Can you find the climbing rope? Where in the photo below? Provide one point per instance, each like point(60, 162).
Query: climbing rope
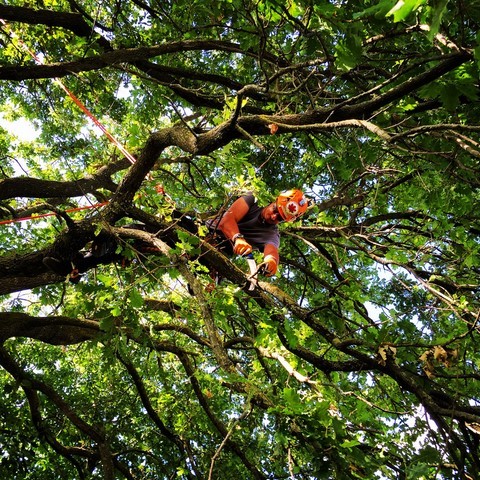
point(88, 113)
point(75, 99)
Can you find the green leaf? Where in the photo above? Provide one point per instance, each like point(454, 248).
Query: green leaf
point(107, 323)
point(136, 299)
point(350, 443)
point(379, 10)
point(403, 8)
point(348, 52)
point(450, 95)
point(293, 402)
point(438, 10)
point(476, 51)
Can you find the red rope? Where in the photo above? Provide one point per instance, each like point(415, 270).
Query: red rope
point(50, 214)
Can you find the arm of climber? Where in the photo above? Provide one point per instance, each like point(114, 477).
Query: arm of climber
point(229, 223)
point(229, 226)
point(271, 259)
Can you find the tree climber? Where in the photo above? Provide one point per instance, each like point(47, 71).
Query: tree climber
point(245, 226)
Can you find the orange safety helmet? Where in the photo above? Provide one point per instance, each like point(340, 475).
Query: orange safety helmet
point(291, 204)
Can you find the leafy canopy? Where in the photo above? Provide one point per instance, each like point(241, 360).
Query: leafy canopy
point(359, 359)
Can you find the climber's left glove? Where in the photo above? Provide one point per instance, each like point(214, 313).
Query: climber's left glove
point(269, 265)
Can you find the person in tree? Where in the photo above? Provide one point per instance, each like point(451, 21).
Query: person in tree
point(246, 226)
point(240, 229)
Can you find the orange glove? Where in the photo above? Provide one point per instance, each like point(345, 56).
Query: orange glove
point(270, 265)
point(241, 246)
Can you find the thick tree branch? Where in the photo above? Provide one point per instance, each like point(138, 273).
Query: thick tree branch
point(56, 330)
point(70, 21)
point(28, 187)
point(114, 58)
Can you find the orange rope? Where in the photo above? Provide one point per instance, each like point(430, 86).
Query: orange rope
point(87, 112)
point(92, 117)
point(75, 99)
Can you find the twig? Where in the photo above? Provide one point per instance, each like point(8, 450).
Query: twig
point(246, 412)
point(290, 464)
point(245, 134)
